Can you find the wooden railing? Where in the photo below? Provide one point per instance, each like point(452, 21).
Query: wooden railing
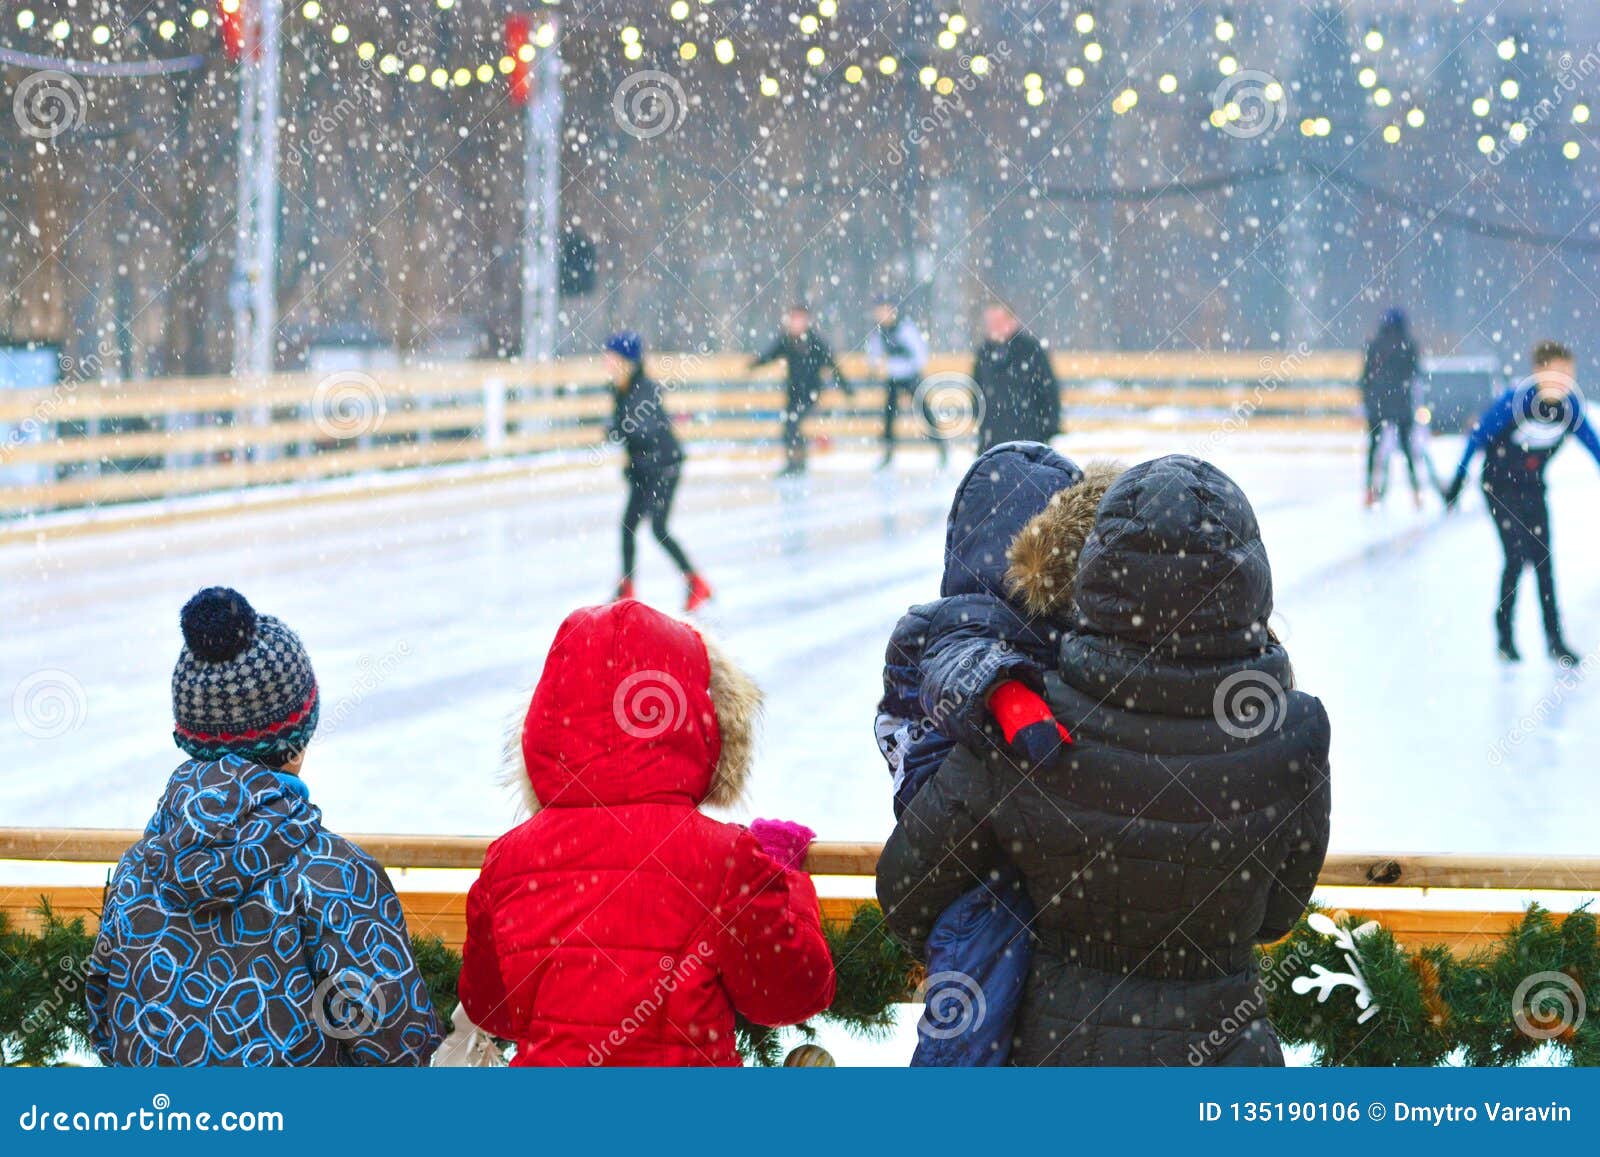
point(443, 913)
point(1346, 869)
point(90, 443)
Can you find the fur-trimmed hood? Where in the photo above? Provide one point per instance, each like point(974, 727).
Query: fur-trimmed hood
point(634, 706)
point(1044, 554)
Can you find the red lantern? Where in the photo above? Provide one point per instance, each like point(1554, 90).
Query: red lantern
point(230, 26)
point(519, 47)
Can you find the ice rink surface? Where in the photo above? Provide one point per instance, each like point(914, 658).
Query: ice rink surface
point(427, 614)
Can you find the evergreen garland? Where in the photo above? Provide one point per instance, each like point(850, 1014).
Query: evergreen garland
point(1537, 986)
point(43, 1015)
point(440, 968)
point(875, 973)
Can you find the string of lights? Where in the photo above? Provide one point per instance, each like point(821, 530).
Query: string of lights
point(956, 38)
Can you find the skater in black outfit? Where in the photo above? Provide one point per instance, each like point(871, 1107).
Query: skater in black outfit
point(897, 350)
point(1388, 375)
point(641, 424)
point(1519, 433)
point(1017, 391)
point(807, 357)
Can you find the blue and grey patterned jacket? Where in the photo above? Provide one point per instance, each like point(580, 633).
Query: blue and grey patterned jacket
point(238, 931)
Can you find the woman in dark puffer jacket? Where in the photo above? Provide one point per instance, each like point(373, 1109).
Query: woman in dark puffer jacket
point(1188, 820)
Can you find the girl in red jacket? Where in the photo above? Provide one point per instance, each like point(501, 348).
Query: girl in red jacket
point(619, 925)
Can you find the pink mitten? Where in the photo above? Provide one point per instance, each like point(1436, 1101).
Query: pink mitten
point(783, 840)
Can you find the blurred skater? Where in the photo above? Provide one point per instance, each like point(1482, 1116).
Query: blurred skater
point(1519, 433)
point(1388, 381)
point(640, 423)
point(806, 357)
point(897, 350)
point(1018, 397)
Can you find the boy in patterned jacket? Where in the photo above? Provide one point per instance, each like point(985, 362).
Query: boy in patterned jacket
point(238, 930)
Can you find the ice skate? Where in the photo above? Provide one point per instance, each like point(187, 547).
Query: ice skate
point(699, 594)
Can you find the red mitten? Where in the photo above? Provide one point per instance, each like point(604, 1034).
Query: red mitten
point(783, 840)
point(1016, 706)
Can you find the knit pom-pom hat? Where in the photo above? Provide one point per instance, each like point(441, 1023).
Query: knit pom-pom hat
point(243, 684)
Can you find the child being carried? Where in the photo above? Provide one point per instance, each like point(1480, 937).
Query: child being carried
point(969, 668)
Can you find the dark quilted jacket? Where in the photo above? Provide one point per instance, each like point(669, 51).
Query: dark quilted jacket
point(641, 423)
point(1186, 823)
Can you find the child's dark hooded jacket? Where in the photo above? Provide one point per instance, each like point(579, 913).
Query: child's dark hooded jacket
point(944, 657)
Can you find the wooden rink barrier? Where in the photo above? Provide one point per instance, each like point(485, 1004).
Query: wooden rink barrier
point(94, 443)
point(443, 913)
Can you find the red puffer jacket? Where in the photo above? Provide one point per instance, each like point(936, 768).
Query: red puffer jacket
point(619, 925)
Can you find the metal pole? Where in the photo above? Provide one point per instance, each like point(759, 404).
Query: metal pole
point(918, 262)
point(255, 282)
point(541, 240)
point(265, 305)
point(239, 296)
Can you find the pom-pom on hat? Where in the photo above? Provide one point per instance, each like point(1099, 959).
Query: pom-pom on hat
point(626, 344)
point(243, 684)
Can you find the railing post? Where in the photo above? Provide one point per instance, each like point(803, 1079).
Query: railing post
point(494, 414)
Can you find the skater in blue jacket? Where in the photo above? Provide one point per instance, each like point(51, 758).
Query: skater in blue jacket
point(1519, 433)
